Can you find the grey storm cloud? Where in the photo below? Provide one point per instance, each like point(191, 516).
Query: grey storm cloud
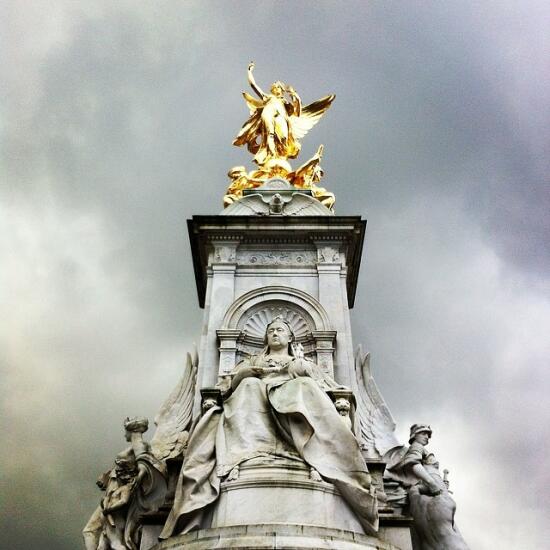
point(117, 127)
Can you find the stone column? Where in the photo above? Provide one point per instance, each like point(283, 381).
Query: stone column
point(220, 294)
point(324, 345)
point(330, 265)
point(228, 350)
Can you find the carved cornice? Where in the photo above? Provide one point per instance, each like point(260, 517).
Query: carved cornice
point(282, 258)
point(347, 231)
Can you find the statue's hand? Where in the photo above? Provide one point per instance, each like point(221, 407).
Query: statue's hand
point(299, 367)
point(251, 66)
point(434, 489)
point(257, 371)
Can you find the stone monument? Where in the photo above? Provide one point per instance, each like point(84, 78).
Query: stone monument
point(276, 435)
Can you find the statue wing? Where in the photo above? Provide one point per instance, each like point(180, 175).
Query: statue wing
point(376, 424)
point(251, 128)
point(310, 116)
point(253, 103)
point(174, 418)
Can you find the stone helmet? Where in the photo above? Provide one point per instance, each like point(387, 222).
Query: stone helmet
point(419, 428)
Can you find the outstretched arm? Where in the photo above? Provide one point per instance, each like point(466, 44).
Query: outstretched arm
point(252, 82)
point(246, 372)
point(138, 445)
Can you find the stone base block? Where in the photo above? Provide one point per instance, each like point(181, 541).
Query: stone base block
point(396, 529)
point(273, 535)
point(279, 491)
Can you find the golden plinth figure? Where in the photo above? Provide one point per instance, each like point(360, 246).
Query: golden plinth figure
point(272, 132)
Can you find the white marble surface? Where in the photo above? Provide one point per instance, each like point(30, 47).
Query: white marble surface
point(282, 493)
point(398, 536)
point(314, 268)
point(273, 535)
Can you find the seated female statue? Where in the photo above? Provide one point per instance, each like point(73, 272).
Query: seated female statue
point(278, 408)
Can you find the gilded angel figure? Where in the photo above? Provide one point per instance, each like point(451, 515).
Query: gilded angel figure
point(277, 122)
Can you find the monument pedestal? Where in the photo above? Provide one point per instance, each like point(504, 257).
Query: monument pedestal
point(279, 491)
point(273, 535)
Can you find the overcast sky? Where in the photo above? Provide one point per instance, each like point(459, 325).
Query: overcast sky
point(117, 121)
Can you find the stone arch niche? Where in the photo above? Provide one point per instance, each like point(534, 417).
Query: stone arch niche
point(243, 327)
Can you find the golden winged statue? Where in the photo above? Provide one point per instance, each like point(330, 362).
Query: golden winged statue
point(272, 133)
point(277, 121)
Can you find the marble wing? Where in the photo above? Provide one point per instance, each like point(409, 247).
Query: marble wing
point(174, 418)
point(376, 424)
point(310, 116)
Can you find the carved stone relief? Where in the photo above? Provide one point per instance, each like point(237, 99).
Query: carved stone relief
point(282, 257)
point(329, 255)
point(224, 254)
point(256, 323)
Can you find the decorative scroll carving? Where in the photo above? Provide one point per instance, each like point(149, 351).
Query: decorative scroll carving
point(328, 255)
point(298, 205)
point(283, 257)
point(224, 253)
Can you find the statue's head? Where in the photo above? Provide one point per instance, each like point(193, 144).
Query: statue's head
point(236, 172)
point(278, 88)
point(103, 480)
point(420, 433)
point(126, 466)
point(278, 335)
point(208, 404)
point(342, 406)
point(318, 173)
point(136, 424)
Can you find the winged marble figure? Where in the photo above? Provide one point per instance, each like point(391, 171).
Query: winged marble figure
point(138, 482)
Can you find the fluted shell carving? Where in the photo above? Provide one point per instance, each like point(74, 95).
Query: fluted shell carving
point(255, 325)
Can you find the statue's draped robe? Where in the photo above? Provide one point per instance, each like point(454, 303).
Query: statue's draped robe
point(147, 497)
point(119, 530)
point(283, 415)
point(270, 116)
